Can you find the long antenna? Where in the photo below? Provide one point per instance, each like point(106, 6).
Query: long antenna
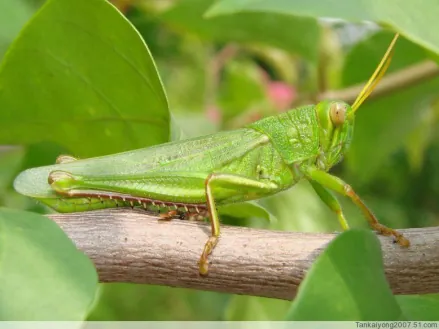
point(376, 76)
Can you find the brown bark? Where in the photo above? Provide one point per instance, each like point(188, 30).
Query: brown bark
point(131, 246)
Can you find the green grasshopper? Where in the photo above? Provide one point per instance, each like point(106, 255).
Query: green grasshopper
point(192, 177)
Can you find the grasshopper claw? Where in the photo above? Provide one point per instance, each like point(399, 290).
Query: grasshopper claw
point(208, 247)
point(204, 267)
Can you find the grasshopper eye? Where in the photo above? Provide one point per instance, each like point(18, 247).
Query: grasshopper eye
point(337, 113)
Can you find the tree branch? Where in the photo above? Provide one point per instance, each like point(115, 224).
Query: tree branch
point(389, 84)
point(131, 246)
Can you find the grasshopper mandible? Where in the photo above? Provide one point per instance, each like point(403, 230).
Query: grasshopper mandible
point(191, 177)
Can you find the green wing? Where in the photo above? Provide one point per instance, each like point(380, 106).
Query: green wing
point(198, 156)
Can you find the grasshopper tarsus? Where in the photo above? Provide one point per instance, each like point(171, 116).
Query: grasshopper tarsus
point(203, 264)
point(398, 238)
point(402, 241)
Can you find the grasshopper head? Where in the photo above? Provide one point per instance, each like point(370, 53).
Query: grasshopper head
point(336, 119)
point(336, 124)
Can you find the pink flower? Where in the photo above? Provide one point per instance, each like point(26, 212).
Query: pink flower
point(281, 94)
point(214, 114)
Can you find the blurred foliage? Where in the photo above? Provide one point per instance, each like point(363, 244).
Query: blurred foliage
point(135, 302)
point(414, 19)
point(99, 108)
point(80, 80)
point(350, 272)
point(12, 18)
point(62, 281)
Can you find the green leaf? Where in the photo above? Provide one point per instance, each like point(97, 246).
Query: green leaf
point(417, 20)
point(347, 282)
point(390, 119)
point(42, 274)
point(249, 308)
point(141, 302)
point(246, 210)
point(297, 35)
point(420, 307)
point(80, 75)
point(13, 15)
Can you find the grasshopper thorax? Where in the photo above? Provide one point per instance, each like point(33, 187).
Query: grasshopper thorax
point(336, 123)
